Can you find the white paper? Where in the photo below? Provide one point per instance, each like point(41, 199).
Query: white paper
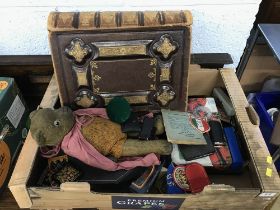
point(16, 111)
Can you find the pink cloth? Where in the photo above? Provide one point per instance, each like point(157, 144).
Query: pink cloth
point(75, 145)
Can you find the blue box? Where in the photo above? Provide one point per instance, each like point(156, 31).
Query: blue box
point(263, 102)
point(237, 160)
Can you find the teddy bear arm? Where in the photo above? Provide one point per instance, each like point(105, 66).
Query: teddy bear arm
point(133, 147)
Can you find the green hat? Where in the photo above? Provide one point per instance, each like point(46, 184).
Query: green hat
point(118, 109)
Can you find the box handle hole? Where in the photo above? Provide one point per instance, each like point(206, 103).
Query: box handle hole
point(253, 116)
point(75, 187)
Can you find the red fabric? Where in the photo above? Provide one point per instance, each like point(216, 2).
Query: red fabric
point(194, 102)
point(221, 162)
point(75, 145)
point(197, 106)
point(197, 177)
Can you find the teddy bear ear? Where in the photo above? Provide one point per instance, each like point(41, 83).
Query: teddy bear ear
point(32, 114)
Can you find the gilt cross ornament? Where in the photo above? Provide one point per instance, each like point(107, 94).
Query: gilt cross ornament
point(165, 95)
point(165, 47)
point(78, 50)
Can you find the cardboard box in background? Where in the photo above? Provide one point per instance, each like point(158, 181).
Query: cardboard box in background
point(13, 127)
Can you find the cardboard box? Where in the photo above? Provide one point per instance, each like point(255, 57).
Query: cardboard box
point(254, 188)
point(13, 127)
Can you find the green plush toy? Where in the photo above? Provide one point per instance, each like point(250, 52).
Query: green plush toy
point(49, 127)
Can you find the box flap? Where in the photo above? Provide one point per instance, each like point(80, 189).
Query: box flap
point(267, 174)
point(24, 164)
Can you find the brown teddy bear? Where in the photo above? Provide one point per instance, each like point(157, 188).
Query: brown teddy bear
point(49, 127)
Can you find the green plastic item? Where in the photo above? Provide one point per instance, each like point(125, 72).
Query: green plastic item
point(118, 109)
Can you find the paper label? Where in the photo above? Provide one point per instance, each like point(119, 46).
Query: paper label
point(123, 202)
point(269, 159)
point(15, 112)
point(268, 172)
point(3, 85)
point(267, 195)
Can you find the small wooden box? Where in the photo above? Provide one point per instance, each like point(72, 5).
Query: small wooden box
point(256, 187)
point(142, 56)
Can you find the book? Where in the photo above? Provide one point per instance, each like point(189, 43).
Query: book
point(190, 152)
point(178, 159)
point(180, 130)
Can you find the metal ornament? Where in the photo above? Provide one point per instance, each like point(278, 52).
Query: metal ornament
point(152, 74)
point(81, 73)
point(165, 71)
point(85, 98)
point(78, 50)
point(138, 99)
point(122, 48)
point(95, 77)
point(165, 95)
point(165, 47)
